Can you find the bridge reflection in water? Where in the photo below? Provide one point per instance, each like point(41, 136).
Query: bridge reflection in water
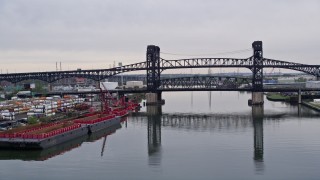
point(154, 134)
point(155, 120)
point(257, 120)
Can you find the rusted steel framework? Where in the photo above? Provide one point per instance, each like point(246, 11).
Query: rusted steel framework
point(257, 68)
point(153, 68)
point(95, 74)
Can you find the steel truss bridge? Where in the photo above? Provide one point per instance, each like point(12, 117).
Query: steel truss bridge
point(155, 65)
point(199, 83)
point(194, 83)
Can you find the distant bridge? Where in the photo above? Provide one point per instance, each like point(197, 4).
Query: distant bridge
point(199, 83)
point(155, 65)
point(100, 74)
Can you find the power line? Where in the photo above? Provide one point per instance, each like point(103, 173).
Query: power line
point(212, 54)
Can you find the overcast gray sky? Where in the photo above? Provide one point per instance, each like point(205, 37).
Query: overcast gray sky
point(35, 34)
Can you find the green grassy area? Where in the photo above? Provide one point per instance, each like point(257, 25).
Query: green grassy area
point(277, 97)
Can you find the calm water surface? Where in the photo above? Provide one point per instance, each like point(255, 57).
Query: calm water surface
point(193, 139)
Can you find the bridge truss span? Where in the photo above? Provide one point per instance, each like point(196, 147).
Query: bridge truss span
point(238, 63)
point(309, 69)
point(206, 62)
point(52, 76)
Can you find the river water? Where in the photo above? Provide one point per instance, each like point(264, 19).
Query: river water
point(193, 138)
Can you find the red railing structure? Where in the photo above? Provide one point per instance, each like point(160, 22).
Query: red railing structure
point(27, 134)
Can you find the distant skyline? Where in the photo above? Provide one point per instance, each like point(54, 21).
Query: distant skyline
point(35, 34)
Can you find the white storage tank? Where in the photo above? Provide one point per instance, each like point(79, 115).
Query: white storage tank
point(108, 85)
point(134, 84)
point(316, 100)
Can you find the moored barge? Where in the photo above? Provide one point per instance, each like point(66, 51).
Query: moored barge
point(45, 136)
point(41, 155)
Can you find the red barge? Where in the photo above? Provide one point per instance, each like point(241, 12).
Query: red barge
point(48, 135)
point(44, 154)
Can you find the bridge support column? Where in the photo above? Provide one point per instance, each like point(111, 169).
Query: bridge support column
point(153, 68)
point(299, 96)
point(257, 74)
point(154, 99)
point(257, 98)
point(257, 112)
point(154, 110)
point(153, 76)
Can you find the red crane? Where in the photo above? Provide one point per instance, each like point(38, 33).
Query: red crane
point(108, 100)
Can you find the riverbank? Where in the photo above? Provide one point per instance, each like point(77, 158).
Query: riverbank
point(312, 105)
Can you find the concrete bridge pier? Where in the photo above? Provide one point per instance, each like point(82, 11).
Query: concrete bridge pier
point(154, 99)
point(154, 110)
point(299, 110)
point(257, 98)
point(257, 112)
point(299, 96)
